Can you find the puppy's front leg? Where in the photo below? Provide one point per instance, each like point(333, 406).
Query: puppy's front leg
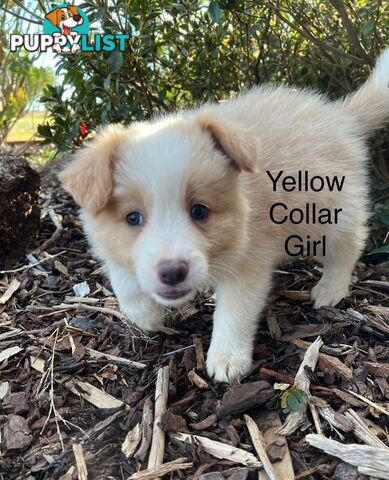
point(238, 306)
point(139, 307)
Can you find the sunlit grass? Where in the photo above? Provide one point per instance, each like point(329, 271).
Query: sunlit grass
point(26, 128)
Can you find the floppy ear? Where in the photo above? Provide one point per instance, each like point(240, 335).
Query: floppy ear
point(73, 9)
point(53, 17)
point(237, 144)
point(89, 177)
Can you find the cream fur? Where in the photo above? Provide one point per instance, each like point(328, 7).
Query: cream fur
point(218, 155)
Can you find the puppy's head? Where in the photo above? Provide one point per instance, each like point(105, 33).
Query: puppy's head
point(68, 17)
point(164, 201)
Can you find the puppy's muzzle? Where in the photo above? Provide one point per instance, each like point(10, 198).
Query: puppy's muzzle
point(172, 272)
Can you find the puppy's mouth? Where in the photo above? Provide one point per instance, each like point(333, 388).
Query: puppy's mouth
point(174, 294)
point(173, 297)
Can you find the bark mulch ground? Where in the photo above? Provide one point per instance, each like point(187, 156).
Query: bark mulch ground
point(70, 391)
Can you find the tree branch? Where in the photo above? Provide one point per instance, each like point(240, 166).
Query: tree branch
point(339, 6)
point(30, 20)
point(27, 10)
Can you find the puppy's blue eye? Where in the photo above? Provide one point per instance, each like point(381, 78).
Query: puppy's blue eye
point(199, 212)
point(135, 218)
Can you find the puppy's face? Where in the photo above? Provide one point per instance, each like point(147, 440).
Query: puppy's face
point(163, 200)
point(65, 17)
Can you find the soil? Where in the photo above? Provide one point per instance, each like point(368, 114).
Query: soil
point(19, 207)
point(49, 337)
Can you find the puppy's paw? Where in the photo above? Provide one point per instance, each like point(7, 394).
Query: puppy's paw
point(225, 366)
point(147, 317)
point(328, 294)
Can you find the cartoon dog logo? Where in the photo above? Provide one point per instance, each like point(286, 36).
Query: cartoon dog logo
point(65, 19)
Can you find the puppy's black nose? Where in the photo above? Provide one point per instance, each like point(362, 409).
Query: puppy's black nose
point(172, 272)
point(76, 18)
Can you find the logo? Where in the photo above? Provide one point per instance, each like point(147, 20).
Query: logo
point(66, 29)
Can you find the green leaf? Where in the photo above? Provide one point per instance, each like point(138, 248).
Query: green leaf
point(368, 28)
point(107, 82)
point(293, 402)
point(383, 250)
point(115, 61)
point(214, 11)
point(45, 131)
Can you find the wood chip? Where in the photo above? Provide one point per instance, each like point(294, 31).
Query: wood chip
point(69, 475)
point(114, 358)
point(200, 360)
point(197, 380)
point(361, 456)
point(37, 364)
point(80, 461)
point(17, 433)
point(220, 450)
point(206, 423)
point(9, 352)
point(4, 389)
point(147, 431)
point(211, 476)
point(161, 470)
point(337, 420)
point(362, 431)
point(276, 446)
point(260, 448)
point(240, 398)
point(131, 441)
point(333, 365)
point(158, 441)
point(377, 369)
point(7, 295)
point(370, 403)
point(295, 295)
point(10, 334)
point(92, 394)
point(272, 325)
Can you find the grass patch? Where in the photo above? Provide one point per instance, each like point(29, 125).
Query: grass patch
point(25, 128)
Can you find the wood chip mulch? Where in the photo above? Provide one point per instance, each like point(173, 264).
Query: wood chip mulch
point(75, 405)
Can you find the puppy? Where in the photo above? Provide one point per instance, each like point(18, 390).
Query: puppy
point(181, 202)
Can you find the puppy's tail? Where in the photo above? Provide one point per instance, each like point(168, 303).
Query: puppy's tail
point(370, 104)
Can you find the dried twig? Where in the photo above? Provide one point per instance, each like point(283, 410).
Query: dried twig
point(56, 235)
point(362, 431)
point(80, 461)
point(32, 265)
point(220, 450)
point(370, 403)
point(259, 445)
point(302, 381)
point(160, 471)
point(316, 419)
point(147, 431)
point(114, 358)
point(158, 442)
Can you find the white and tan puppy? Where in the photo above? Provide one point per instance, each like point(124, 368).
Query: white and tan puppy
point(204, 197)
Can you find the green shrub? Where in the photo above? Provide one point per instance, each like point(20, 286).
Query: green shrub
point(182, 53)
